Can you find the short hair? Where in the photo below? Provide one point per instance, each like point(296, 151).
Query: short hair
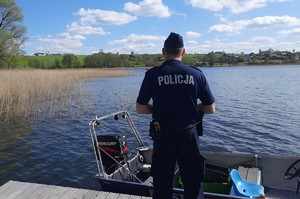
point(174, 51)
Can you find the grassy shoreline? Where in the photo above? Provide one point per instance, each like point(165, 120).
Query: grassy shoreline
point(26, 92)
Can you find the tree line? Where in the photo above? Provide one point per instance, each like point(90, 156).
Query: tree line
point(97, 60)
point(110, 60)
point(13, 36)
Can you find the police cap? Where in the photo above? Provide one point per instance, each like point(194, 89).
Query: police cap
point(173, 41)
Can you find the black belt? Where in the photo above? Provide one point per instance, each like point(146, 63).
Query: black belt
point(174, 126)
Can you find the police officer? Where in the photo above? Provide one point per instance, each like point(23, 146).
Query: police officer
point(176, 89)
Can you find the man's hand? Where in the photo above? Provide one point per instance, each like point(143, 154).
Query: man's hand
point(143, 109)
point(207, 109)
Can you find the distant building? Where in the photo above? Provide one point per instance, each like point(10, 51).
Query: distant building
point(40, 54)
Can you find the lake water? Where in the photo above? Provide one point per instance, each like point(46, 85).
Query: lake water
point(258, 111)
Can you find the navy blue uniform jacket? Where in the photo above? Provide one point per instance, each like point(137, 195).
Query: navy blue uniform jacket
point(175, 89)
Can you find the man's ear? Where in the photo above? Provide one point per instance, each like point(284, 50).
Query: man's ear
point(163, 51)
point(183, 52)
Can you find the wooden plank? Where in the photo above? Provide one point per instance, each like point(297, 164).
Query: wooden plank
point(59, 192)
point(123, 196)
point(135, 197)
point(45, 191)
point(91, 194)
point(68, 192)
point(15, 190)
point(25, 190)
point(28, 190)
point(6, 186)
point(101, 195)
point(112, 195)
point(75, 193)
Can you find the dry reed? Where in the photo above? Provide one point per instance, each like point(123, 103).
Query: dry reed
point(24, 93)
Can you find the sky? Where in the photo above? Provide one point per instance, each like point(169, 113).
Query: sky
point(84, 27)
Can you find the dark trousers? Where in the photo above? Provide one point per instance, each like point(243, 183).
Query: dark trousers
point(181, 146)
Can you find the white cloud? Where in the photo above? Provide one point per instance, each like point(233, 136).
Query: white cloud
point(148, 8)
point(190, 43)
point(134, 38)
point(76, 28)
point(257, 22)
point(234, 6)
point(274, 20)
point(252, 44)
point(212, 5)
point(292, 32)
point(226, 28)
point(72, 40)
point(191, 34)
point(260, 39)
point(61, 43)
point(104, 17)
point(138, 43)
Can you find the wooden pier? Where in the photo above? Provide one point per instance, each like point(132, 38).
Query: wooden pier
point(26, 190)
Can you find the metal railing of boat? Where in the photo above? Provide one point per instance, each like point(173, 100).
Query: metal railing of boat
point(97, 150)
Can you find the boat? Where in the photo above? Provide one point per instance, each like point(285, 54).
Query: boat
point(124, 163)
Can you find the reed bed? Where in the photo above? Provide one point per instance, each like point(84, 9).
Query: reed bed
point(26, 93)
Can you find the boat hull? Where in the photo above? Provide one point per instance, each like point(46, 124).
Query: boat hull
point(131, 174)
point(142, 189)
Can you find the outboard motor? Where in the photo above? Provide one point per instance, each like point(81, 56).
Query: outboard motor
point(116, 146)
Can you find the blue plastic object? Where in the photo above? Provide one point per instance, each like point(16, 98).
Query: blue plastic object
point(244, 188)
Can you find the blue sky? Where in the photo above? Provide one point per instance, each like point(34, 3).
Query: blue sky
point(85, 27)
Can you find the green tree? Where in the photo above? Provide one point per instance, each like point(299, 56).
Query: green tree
point(12, 33)
point(231, 60)
point(34, 63)
point(92, 61)
point(242, 57)
point(70, 61)
point(222, 59)
point(210, 58)
point(57, 63)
